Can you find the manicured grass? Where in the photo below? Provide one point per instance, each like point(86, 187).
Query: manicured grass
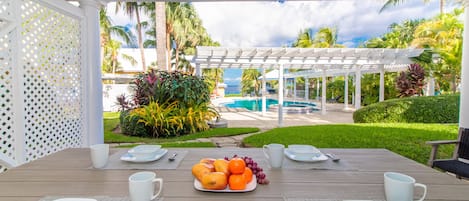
point(405, 139)
point(111, 120)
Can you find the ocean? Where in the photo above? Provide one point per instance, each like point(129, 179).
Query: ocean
point(233, 89)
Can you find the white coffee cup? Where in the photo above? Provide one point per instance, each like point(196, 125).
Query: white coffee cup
point(99, 155)
point(400, 187)
point(274, 154)
point(142, 186)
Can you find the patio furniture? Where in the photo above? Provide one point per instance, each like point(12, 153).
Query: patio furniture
point(68, 173)
point(6, 163)
point(457, 165)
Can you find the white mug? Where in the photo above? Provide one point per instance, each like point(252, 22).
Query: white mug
point(400, 187)
point(274, 154)
point(142, 186)
point(99, 155)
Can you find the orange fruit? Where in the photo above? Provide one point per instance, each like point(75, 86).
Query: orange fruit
point(237, 182)
point(247, 174)
point(236, 166)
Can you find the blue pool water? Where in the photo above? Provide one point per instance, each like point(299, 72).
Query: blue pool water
point(256, 104)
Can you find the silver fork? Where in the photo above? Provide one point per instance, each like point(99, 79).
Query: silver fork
point(333, 157)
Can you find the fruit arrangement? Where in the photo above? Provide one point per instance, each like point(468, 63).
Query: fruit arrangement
point(236, 173)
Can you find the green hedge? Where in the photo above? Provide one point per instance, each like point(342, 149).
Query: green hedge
point(428, 109)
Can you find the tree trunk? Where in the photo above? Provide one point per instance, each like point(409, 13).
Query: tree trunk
point(160, 20)
point(140, 40)
point(168, 47)
point(442, 5)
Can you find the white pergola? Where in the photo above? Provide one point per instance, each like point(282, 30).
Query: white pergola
point(314, 62)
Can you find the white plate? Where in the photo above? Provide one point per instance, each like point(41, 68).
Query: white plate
point(300, 149)
point(249, 187)
point(75, 199)
point(145, 149)
point(129, 158)
point(305, 158)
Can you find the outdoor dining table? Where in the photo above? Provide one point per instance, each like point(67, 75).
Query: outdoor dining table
point(69, 173)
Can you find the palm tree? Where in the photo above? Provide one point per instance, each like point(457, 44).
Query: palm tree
point(326, 38)
point(444, 35)
point(131, 9)
point(305, 39)
point(250, 81)
point(160, 35)
point(390, 3)
point(110, 47)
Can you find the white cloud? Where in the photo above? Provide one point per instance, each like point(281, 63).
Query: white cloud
point(267, 24)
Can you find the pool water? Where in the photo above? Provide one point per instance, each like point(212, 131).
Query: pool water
point(256, 104)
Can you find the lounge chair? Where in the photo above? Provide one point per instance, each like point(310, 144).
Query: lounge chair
point(459, 164)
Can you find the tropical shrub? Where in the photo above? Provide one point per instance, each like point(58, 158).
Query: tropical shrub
point(166, 104)
point(410, 82)
point(428, 109)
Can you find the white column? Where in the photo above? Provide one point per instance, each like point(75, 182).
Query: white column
point(294, 88)
point(317, 89)
point(18, 88)
point(93, 89)
point(198, 71)
point(264, 92)
point(346, 91)
point(464, 107)
point(431, 86)
point(306, 88)
point(323, 96)
point(358, 93)
point(280, 95)
point(381, 83)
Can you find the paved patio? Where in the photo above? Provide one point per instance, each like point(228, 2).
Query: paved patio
point(246, 118)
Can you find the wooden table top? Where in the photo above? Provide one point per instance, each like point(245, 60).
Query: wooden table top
point(68, 173)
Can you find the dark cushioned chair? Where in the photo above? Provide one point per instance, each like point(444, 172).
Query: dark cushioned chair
point(455, 165)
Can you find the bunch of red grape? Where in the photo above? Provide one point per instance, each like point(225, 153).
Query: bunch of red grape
point(256, 170)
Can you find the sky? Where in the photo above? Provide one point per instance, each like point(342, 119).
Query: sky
point(274, 24)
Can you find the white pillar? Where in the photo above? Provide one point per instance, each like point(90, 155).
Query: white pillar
point(431, 86)
point(306, 88)
point(198, 71)
point(93, 89)
point(358, 94)
point(317, 89)
point(381, 83)
point(346, 91)
point(294, 88)
point(264, 92)
point(464, 107)
point(280, 95)
point(323, 96)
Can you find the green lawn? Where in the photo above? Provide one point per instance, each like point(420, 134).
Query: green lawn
point(111, 120)
point(405, 139)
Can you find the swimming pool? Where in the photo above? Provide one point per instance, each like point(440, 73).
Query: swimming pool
point(256, 104)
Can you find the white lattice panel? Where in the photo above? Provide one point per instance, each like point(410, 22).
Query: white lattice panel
point(6, 8)
point(7, 140)
point(51, 59)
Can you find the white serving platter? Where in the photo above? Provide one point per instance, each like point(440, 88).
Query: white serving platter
point(130, 158)
point(249, 187)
